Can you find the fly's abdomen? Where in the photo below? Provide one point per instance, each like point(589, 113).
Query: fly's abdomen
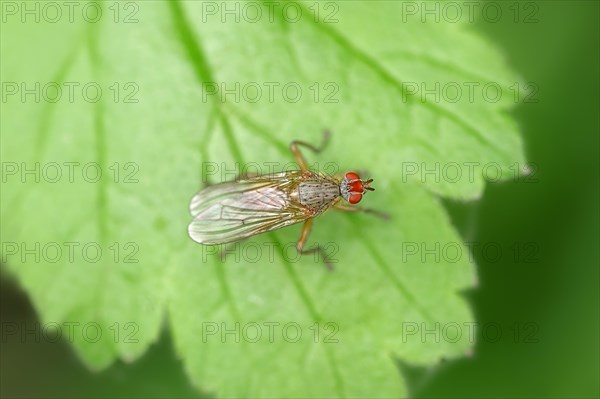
point(318, 194)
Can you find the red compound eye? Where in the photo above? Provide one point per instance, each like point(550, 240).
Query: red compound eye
point(356, 187)
point(355, 198)
point(352, 176)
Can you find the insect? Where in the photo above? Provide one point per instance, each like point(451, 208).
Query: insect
point(250, 205)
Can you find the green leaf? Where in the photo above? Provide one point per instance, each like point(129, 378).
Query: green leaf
point(236, 323)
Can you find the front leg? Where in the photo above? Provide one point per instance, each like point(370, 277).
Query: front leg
point(341, 206)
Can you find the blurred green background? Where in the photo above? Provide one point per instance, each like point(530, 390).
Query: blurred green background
point(546, 303)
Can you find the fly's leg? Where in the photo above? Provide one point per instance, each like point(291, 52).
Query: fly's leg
point(353, 208)
point(306, 227)
point(294, 147)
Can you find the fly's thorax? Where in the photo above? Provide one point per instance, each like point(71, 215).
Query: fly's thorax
point(353, 187)
point(318, 193)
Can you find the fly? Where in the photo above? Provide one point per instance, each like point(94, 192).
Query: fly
point(231, 211)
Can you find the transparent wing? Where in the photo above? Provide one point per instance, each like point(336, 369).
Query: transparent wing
point(232, 211)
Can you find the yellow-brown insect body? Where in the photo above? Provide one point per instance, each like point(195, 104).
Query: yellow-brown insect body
point(231, 211)
point(318, 192)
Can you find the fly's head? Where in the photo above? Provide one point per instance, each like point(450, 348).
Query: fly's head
point(353, 187)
